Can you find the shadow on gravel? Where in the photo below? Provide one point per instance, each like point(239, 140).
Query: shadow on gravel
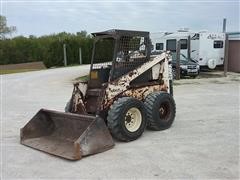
point(212, 76)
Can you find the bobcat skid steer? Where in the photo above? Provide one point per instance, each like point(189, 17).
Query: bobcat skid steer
point(128, 90)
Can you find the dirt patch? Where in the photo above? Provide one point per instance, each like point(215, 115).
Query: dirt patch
point(215, 77)
point(210, 75)
point(32, 65)
point(176, 83)
point(23, 67)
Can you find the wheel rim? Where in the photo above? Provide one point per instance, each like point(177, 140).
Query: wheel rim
point(164, 111)
point(133, 119)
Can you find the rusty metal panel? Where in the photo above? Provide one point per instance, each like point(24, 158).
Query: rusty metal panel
point(122, 84)
point(139, 93)
point(67, 135)
point(77, 101)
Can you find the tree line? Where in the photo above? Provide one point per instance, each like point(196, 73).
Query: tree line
point(48, 49)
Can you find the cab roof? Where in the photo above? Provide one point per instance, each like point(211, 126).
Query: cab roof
point(120, 32)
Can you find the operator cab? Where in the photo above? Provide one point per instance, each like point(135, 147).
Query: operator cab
point(115, 53)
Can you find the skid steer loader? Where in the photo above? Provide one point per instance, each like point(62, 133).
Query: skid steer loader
point(128, 90)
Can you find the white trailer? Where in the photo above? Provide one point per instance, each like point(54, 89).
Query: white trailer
point(206, 48)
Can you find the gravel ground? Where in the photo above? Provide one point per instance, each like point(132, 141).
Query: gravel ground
point(203, 142)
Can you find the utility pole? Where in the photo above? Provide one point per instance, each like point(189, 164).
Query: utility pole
point(224, 25)
point(80, 56)
point(178, 60)
point(189, 47)
point(226, 48)
point(226, 56)
point(64, 55)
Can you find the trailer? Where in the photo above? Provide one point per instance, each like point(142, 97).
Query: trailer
point(206, 48)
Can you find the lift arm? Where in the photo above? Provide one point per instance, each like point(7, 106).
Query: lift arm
point(122, 84)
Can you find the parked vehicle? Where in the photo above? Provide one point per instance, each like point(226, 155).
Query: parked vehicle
point(188, 67)
point(207, 48)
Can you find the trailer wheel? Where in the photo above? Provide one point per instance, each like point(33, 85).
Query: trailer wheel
point(161, 110)
point(126, 119)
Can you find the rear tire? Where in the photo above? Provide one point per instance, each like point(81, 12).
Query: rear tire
point(126, 119)
point(161, 110)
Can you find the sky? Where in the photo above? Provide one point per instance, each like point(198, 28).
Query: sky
point(43, 17)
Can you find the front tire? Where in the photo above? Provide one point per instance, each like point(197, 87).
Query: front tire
point(126, 119)
point(161, 110)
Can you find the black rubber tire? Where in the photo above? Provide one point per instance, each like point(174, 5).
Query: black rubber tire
point(116, 119)
point(153, 103)
point(174, 73)
point(68, 106)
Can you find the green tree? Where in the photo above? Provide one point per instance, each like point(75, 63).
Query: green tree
point(4, 29)
point(82, 33)
point(48, 48)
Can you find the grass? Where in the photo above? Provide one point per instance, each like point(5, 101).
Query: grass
point(82, 78)
point(11, 71)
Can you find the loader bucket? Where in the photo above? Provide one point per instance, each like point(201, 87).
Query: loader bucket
point(67, 135)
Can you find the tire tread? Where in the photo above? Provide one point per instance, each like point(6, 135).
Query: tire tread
point(113, 118)
point(149, 105)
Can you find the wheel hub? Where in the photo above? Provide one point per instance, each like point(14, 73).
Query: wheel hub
point(133, 119)
point(128, 118)
point(164, 111)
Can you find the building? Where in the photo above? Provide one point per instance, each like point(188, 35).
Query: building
point(234, 52)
